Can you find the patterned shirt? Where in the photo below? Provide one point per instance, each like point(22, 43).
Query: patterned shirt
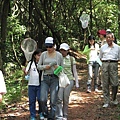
point(67, 66)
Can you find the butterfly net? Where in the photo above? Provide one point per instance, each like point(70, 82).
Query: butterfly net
point(84, 20)
point(28, 46)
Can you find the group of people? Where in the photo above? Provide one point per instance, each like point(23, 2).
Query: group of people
point(44, 84)
point(103, 58)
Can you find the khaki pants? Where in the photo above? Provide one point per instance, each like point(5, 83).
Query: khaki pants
point(109, 77)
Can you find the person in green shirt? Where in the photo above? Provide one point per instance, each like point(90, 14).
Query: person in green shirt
point(69, 68)
point(91, 51)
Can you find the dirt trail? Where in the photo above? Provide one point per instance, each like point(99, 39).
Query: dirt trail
point(88, 106)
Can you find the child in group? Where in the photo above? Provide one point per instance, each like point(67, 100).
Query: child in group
point(93, 61)
point(34, 83)
point(2, 86)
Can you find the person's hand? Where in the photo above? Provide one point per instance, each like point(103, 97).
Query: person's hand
point(23, 69)
point(47, 67)
point(0, 97)
point(92, 48)
point(77, 85)
point(53, 63)
point(55, 66)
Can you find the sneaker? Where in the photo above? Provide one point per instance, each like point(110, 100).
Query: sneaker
point(88, 90)
point(64, 119)
point(115, 102)
point(41, 116)
point(32, 118)
point(105, 105)
point(98, 91)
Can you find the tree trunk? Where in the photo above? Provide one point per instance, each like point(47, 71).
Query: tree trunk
point(4, 15)
point(119, 19)
point(91, 16)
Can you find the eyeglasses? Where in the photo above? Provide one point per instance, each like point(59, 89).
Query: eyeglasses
point(49, 46)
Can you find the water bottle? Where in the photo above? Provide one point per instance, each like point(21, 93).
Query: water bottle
point(27, 77)
point(58, 70)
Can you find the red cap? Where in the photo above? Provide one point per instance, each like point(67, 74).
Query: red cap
point(102, 32)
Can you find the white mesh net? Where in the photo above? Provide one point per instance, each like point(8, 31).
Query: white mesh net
point(84, 20)
point(28, 46)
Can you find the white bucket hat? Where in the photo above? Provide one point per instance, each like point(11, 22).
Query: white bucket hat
point(64, 46)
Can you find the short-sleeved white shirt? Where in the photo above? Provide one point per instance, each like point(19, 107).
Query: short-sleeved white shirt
point(110, 53)
point(93, 55)
point(34, 76)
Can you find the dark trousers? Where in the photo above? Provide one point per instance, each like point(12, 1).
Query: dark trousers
point(34, 94)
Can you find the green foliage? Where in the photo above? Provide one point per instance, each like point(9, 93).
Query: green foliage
point(15, 36)
point(15, 84)
point(15, 28)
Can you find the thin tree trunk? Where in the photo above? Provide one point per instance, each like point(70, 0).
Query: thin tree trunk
point(119, 19)
point(4, 15)
point(90, 16)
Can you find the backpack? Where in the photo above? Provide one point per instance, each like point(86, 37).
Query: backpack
point(71, 60)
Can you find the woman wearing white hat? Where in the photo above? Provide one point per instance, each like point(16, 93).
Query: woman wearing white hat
point(48, 62)
point(69, 66)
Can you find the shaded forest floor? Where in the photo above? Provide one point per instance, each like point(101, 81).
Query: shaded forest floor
point(82, 105)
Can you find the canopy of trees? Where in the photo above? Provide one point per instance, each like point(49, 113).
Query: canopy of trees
point(58, 18)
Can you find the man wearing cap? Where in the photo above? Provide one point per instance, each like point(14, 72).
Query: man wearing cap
point(48, 62)
point(110, 55)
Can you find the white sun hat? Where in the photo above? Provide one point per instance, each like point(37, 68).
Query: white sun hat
point(64, 46)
